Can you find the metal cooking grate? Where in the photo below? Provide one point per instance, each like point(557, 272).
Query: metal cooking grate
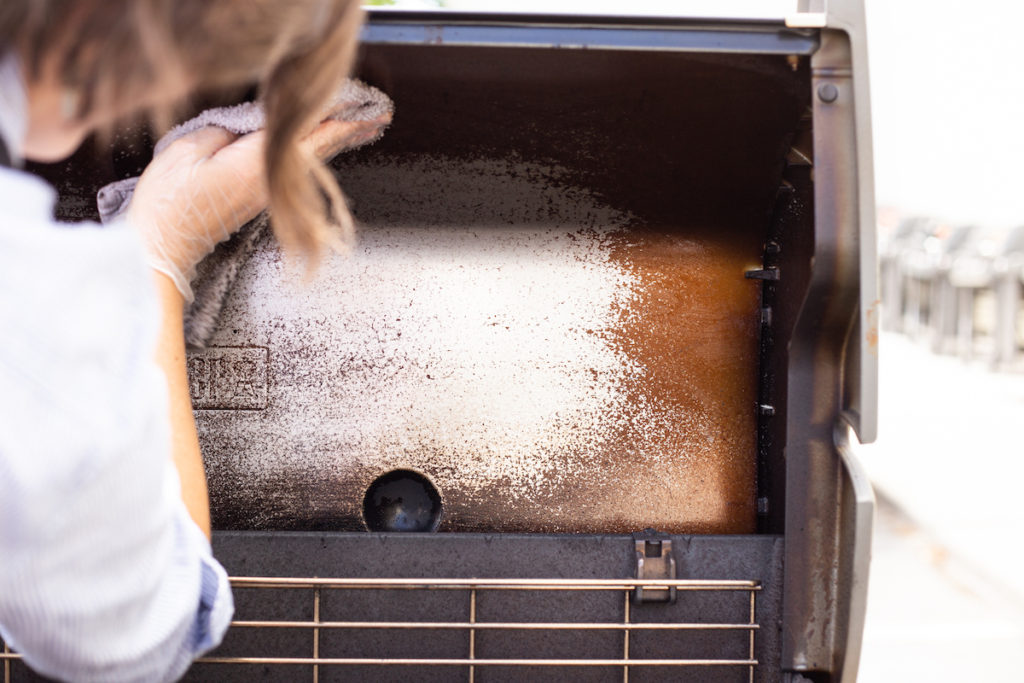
point(740, 632)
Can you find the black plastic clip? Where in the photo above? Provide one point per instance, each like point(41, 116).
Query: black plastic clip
point(762, 274)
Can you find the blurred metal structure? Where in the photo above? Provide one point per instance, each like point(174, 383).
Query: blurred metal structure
point(909, 234)
point(987, 279)
point(1009, 285)
point(930, 309)
point(958, 289)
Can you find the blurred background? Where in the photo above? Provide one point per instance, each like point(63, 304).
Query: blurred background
point(946, 598)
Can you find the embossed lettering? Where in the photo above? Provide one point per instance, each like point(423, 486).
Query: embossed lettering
point(228, 378)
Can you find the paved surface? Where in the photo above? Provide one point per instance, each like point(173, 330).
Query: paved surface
point(946, 599)
point(933, 617)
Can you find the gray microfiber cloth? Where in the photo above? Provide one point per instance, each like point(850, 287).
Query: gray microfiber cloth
point(215, 275)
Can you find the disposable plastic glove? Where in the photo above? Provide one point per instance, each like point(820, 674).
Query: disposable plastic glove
point(194, 195)
point(206, 185)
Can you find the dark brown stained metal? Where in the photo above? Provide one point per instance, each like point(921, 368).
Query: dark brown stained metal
point(547, 314)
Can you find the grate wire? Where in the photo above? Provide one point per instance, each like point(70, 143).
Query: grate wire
point(472, 625)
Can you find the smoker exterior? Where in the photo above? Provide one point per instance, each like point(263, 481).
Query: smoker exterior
point(696, 196)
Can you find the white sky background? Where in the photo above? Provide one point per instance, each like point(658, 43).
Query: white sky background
point(947, 81)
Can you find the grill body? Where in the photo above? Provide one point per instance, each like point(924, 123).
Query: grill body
point(613, 274)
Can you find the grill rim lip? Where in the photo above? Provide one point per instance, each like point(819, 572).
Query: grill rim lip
point(492, 583)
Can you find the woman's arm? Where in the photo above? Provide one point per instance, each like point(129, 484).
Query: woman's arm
point(170, 356)
point(104, 575)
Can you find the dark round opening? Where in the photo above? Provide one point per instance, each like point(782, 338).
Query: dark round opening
point(402, 500)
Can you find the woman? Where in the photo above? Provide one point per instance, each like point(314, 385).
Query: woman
point(106, 572)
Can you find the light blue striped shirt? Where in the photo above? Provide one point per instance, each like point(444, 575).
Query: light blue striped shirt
point(103, 574)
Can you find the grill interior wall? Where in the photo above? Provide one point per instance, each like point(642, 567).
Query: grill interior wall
point(690, 147)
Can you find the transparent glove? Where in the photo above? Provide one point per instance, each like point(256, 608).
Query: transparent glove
point(206, 185)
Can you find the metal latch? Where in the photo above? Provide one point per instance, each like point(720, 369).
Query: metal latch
point(654, 561)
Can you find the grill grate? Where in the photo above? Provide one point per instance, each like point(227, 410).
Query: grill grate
point(742, 632)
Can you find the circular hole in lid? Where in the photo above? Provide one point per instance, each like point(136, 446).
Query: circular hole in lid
point(402, 500)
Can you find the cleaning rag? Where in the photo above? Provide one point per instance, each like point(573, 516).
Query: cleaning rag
point(216, 274)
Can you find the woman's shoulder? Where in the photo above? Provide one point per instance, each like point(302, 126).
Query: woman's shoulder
point(25, 196)
point(32, 238)
point(78, 304)
point(64, 275)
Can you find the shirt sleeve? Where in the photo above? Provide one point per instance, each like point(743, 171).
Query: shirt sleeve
point(103, 574)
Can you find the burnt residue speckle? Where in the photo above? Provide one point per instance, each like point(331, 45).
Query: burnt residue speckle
point(551, 363)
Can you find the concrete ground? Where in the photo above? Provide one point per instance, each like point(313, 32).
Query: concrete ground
point(946, 596)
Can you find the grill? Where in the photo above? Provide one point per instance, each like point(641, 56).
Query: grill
point(480, 618)
point(472, 624)
point(597, 291)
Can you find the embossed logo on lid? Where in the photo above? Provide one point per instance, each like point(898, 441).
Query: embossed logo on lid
point(228, 378)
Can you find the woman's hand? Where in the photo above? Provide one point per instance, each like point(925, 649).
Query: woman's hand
point(195, 194)
point(206, 185)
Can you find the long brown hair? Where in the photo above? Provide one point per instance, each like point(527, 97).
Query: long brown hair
point(113, 53)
